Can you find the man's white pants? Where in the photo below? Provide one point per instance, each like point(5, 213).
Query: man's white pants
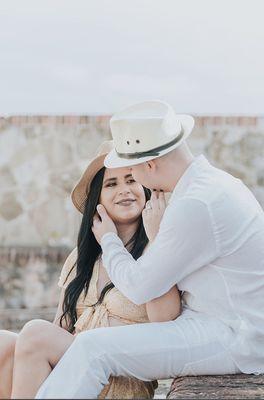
point(193, 344)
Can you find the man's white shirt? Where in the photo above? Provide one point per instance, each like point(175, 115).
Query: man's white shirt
point(211, 245)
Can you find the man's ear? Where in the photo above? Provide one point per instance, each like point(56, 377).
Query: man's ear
point(151, 165)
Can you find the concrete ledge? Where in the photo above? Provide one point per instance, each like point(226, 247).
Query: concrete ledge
point(240, 386)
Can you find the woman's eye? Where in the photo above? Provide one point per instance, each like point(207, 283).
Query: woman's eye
point(111, 184)
point(131, 181)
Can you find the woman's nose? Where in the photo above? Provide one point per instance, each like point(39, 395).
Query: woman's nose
point(124, 189)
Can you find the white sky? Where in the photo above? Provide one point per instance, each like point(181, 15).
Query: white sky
point(96, 56)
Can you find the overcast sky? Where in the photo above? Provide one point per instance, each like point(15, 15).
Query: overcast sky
point(96, 56)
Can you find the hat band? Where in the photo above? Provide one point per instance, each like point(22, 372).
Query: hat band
point(153, 152)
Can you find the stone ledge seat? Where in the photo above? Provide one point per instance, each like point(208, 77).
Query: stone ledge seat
point(239, 386)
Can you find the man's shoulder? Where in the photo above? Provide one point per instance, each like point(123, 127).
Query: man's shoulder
point(205, 182)
point(220, 191)
point(208, 186)
point(212, 184)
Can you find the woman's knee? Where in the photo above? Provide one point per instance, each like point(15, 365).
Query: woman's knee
point(33, 336)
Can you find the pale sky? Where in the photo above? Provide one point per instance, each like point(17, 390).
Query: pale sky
point(97, 56)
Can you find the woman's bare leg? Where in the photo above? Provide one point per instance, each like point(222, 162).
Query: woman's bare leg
point(7, 350)
point(39, 347)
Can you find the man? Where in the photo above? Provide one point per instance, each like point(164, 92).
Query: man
point(210, 244)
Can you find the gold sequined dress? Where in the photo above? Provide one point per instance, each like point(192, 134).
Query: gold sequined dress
point(115, 306)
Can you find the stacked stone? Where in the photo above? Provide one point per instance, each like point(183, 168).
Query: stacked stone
point(41, 157)
point(237, 387)
point(28, 288)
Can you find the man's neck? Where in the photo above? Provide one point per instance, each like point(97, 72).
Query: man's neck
point(178, 167)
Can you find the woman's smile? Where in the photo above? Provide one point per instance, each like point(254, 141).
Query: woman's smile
point(125, 202)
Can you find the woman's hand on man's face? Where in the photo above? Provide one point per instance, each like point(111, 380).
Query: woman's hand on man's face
point(153, 213)
point(103, 225)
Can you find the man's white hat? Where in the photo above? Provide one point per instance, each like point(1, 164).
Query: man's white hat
point(145, 131)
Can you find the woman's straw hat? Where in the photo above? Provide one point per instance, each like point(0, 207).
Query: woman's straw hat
point(82, 188)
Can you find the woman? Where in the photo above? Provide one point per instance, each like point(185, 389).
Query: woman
point(88, 299)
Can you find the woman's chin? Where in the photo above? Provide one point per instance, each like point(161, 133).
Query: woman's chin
point(126, 217)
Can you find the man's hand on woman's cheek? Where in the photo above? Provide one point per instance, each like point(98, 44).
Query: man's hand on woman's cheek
point(102, 223)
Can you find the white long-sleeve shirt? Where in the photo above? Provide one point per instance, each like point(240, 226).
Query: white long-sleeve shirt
point(211, 244)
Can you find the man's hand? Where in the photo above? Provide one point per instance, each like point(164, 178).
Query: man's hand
point(153, 213)
point(103, 225)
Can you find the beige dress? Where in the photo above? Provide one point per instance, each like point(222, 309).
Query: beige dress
point(115, 306)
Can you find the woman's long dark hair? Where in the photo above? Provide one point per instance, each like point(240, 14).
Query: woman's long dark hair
point(89, 251)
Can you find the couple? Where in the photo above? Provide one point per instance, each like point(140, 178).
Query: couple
point(210, 243)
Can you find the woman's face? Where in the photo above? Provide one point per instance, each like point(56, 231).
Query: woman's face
point(122, 197)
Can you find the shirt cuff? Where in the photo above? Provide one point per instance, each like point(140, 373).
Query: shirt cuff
point(107, 238)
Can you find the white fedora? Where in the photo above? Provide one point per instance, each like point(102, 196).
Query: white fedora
point(145, 131)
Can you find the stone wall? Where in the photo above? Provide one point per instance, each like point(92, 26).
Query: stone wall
point(28, 286)
point(40, 160)
point(41, 157)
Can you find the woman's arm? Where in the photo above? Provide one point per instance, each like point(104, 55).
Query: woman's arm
point(166, 307)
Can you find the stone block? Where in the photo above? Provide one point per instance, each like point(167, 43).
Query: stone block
point(29, 276)
point(240, 386)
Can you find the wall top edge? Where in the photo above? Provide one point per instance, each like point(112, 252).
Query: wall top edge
point(242, 120)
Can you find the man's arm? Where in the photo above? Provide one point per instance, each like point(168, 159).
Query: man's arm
point(184, 244)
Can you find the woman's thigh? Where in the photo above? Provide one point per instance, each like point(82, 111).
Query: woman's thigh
point(7, 351)
point(7, 345)
point(47, 338)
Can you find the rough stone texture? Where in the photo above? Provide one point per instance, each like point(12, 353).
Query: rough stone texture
point(41, 158)
point(28, 286)
point(15, 318)
point(239, 386)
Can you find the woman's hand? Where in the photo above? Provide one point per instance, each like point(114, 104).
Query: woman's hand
point(102, 225)
point(153, 213)
point(166, 307)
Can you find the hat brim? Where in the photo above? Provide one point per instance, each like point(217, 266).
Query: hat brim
point(112, 160)
point(81, 190)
